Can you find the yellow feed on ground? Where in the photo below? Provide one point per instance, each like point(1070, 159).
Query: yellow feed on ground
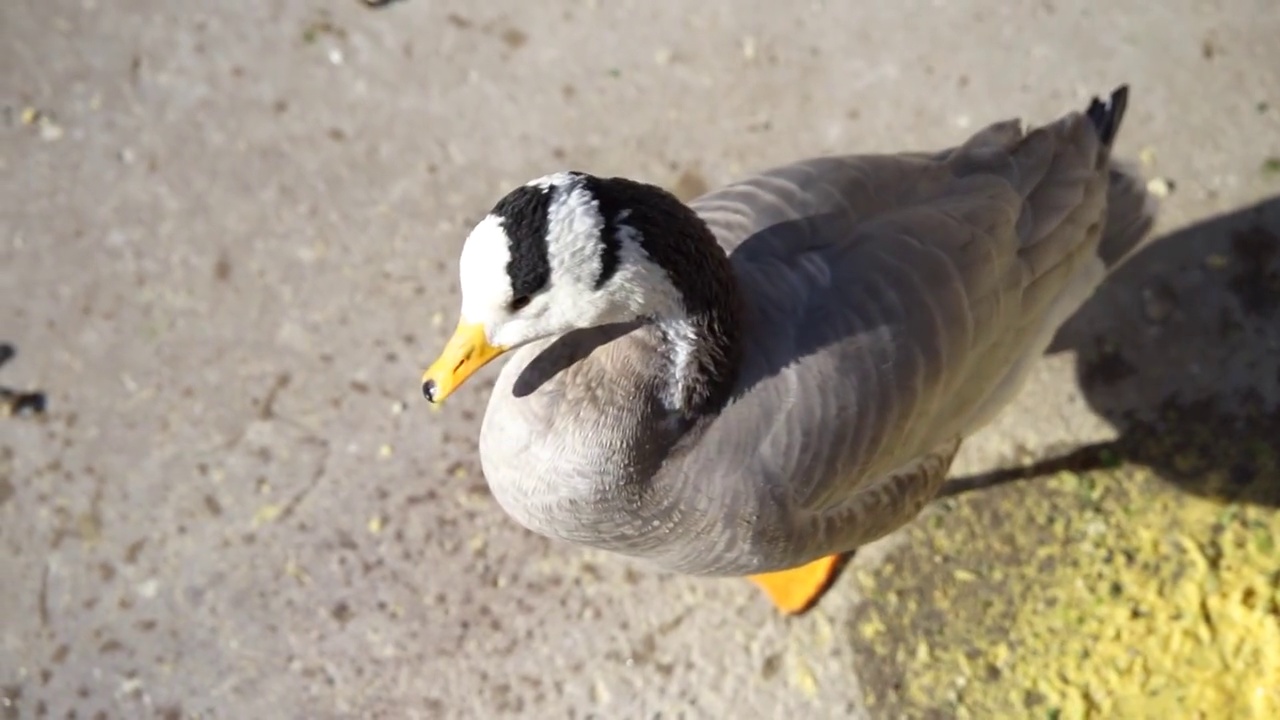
point(1106, 594)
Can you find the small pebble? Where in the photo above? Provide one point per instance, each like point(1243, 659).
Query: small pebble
point(749, 48)
point(50, 131)
point(148, 588)
point(267, 514)
point(1159, 187)
point(129, 686)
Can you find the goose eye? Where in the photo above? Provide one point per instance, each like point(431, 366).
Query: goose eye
point(519, 302)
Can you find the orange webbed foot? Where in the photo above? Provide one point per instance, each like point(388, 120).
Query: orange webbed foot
point(794, 591)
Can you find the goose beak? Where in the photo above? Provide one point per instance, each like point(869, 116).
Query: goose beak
point(466, 352)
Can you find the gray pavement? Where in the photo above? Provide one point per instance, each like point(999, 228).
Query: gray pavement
point(228, 240)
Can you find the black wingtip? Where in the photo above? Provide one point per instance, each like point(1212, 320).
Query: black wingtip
point(1106, 117)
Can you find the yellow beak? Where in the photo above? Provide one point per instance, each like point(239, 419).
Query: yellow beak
point(466, 352)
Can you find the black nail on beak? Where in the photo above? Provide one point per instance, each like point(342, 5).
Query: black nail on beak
point(429, 390)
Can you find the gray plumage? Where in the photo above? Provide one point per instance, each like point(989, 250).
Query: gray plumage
point(849, 321)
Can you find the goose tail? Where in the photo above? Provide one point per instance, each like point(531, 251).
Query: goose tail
point(1108, 116)
point(1131, 207)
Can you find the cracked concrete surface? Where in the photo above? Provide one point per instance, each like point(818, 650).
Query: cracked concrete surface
point(228, 245)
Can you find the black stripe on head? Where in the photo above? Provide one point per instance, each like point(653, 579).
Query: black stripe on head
point(610, 210)
point(524, 219)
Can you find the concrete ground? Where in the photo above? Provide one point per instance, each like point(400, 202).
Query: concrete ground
point(228, 240)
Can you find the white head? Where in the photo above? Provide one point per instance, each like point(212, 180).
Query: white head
point(552, 256)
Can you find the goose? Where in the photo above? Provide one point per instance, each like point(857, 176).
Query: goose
point(760, 381)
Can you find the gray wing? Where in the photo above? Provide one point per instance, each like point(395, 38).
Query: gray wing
point(895, 302)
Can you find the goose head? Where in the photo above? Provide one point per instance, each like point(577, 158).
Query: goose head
point(563, 252)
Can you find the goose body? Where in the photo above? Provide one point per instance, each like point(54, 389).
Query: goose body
point(783, 369)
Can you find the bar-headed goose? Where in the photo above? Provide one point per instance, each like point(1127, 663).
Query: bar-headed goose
point(782, 370)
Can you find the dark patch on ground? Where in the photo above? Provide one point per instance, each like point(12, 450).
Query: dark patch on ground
point(222, 267)
point(1256, 283)
point(1108, 366)
point(1198, 446)
point(18, 402)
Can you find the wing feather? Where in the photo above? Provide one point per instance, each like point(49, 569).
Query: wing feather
point(889, 296)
